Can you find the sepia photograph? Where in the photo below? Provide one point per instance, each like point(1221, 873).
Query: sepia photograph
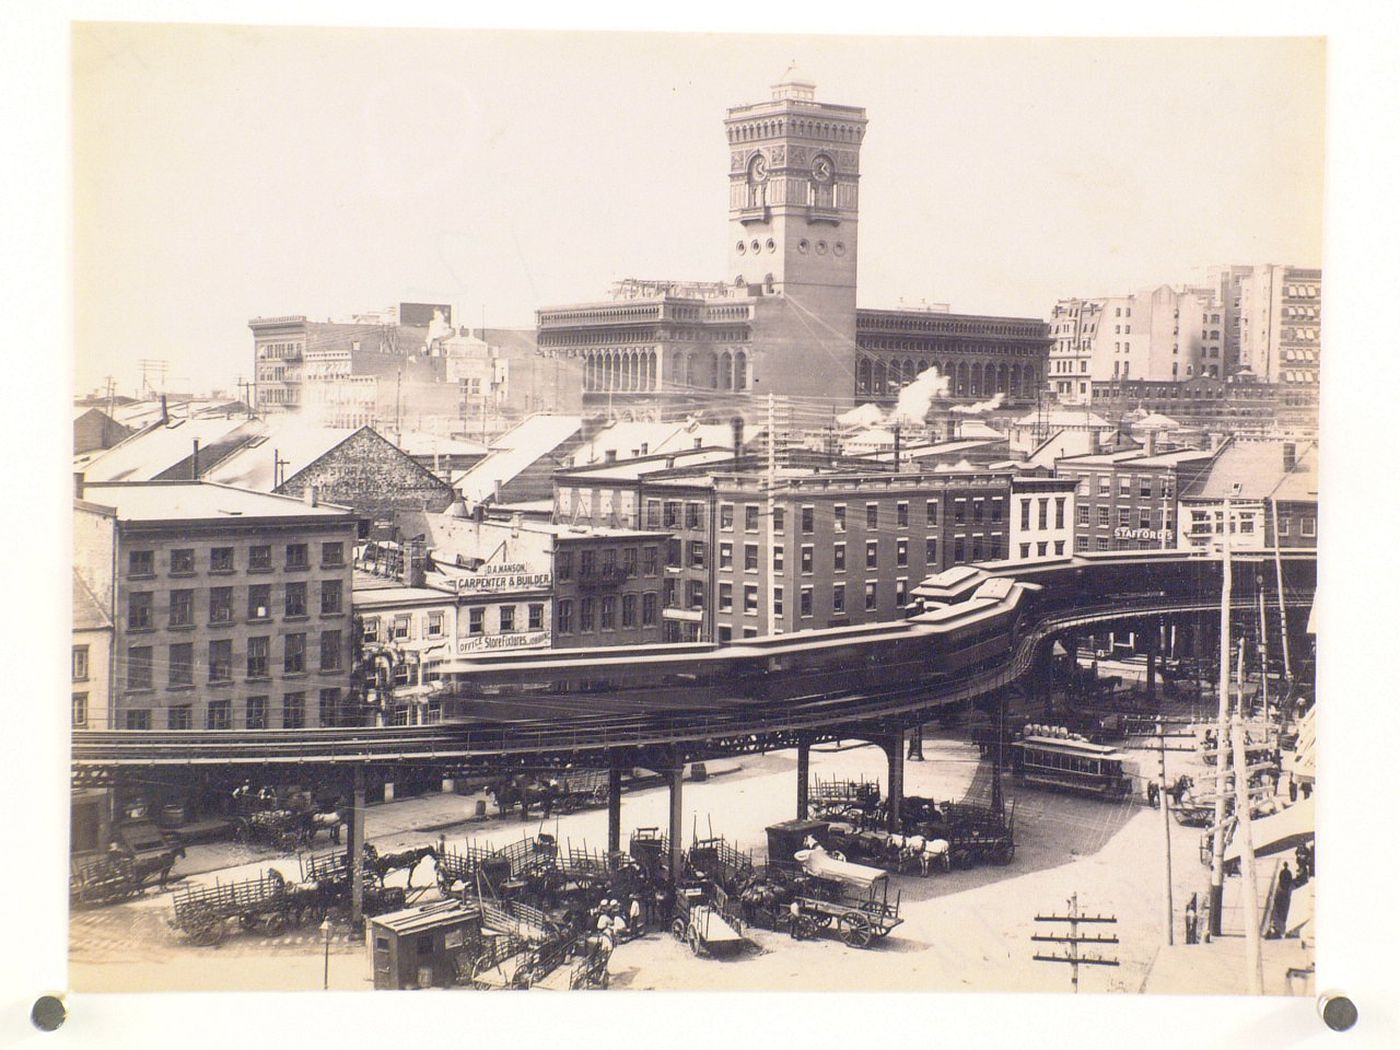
point(584, 510)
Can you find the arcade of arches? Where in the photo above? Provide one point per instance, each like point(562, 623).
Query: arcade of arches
point(878, 377)
point(628, 371)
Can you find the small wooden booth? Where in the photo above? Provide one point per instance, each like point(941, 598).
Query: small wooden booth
point(415, 948)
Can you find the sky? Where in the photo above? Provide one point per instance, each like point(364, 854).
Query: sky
point(225, 173)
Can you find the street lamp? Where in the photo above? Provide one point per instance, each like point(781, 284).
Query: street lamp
point(326, 937)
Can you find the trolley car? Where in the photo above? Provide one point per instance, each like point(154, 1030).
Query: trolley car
point(1071, 764)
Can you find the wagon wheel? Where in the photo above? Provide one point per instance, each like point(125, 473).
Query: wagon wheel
point(274, 923)
point(1003, 853)
point(208, 933)
point(678, 929)
point(961, 859)
point(692, 938)
point(803, 928)
point(246, 921)
point(480, 967)
point(855, 929)
point(822, 921)
point(288, 841)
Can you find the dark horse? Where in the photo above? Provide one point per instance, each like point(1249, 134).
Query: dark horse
point(143, 868)
point(525, 791)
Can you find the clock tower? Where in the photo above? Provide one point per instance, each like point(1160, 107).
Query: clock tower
point(794, 172)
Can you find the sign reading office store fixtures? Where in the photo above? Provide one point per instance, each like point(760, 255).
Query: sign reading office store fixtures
point(511, 576)
point(1125, 533)
point(486, 643)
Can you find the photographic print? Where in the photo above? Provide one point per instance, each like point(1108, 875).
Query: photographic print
point(714, 512)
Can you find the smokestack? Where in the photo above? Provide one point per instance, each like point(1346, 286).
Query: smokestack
point(78, 479)
point(1290, 456)
point(736, 425)
point(1152, 442)
point(311, 496)
point(497, 490)
point(164, 410)
point(896, 446)
point(194, 461)
point(951, 433)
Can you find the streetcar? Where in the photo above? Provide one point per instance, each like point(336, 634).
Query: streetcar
point(1071, 764)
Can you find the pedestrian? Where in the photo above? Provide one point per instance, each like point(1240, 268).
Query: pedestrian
point(1292, 790)
point(1152, 793)
point(634, 915)
point(1283, 891)
point(1192, 920)
point(1307, 790)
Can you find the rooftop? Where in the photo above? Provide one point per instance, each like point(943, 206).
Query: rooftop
point(157, 501)
point(1253, 470)
point(294, 444)
point(150, 452)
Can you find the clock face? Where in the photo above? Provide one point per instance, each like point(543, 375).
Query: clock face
point(758, 168)
point(821, 169)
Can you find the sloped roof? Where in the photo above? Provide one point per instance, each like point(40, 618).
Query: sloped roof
point(151, 452)
point(197, 500)
point(88, 614)
point(1060, 418)
point(423, 443)
point(296, 444)
point(1253, 470)
point(514, 452)
point(1156, 421)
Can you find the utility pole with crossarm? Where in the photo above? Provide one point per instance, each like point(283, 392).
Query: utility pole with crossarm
point(1074, 940)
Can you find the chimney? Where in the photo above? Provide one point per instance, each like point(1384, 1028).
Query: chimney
point(310, 496)
point(1152, 442)
point(1290, 456)
point(194, 461)
point(78, 479)
point(951, 434)
point(497, 490)
point(736, 426)
point(164, 410)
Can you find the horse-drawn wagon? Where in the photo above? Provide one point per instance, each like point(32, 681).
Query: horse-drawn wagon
point(707, 920)
point(267, 903)
point(852, 800)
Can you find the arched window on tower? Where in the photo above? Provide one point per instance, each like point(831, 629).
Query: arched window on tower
point(741, 370)
point(863, 376)
point(726, 371)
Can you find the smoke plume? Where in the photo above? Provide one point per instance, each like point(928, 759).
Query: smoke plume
point(914, 399)
point(991, 403)
point(866, 415)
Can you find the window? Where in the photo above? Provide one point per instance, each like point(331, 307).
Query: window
point(295, 603)
point(726, 555)
point(331, 651)
point(1283, 525)
point(138, 667)
point(777, 601)
point(1105, 484)
point(692, 515)
point(778, 519)
point(1041, 549)
point(931, 511)
point(977, 547)
point(1025, 515)
point(329, 707)
point(1025, 550)
point(1059, 547)
point(726, 634)
point(930, 552)
point(629, 610)
point(219, 715)
point(401, 627)
point(669, 590)
point(476, 620)
point(959, 511)
point(435, 624)
point(1083, 486)
point(1125, 485)
point(673, 514)
point(751, 557)
point(80, 710)
point(371, 629)
point(585, 614)
point(629, 561)
point(653, 513)
point(697, 554)
point(221, 660)
point(695, 593)
point(258, 650)
point(80, 663)
point(750, 517)
point(977, 505)
point(330, 597)
point(778, 559)
point(221, 605)
point(726, 516)
point(649, 561)
point(673, 553)
point(1043, 517)
point(1104, 521)
point(141, 563)
point(610, 562)
point(901, 553)
point(178, 716)
point(872, 553)
point(838, 599)
point(221, 559)
point(838, 518)
point(1144, 519)
point(293, 710)
point(138, 719)
point(332, 555)
point(1123, 516)
point(805, 602)
point(1081, 514)
point(255, 712)
point(564, 564)
point(260, 558)
point(996, 510)
point(294, 653)
point(649, 609)
point(901, 592)
point(807, 559)
point(564, 616)
point(872, 515)
point(140, 609)
point(1145, 486)
point(750, 599)
point(506, 616)
point(872, 595)
point(607, 616)
point(901, 514)
point(296, 556)
point(181, 670)
point(182, 562)
point(959, 549)
point(1308, 527)
point(259, 602)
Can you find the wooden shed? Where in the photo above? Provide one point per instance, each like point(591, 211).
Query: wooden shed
point(415, 948)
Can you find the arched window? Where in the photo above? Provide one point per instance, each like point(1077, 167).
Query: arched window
point(863, 376)
point(726, 371)
point(895, 377)
point(741, 370)
point(877, 382)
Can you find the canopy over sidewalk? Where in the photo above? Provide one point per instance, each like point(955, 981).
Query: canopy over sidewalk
point(1283, 831)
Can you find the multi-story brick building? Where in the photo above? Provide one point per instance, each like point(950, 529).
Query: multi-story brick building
point(1272, 321)
point(1128, 500)
point(1042, 518)
point(1263, 482)
point(92, 689)
point(231, 609)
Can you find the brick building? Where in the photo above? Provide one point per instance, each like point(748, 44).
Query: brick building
point(1263, 482)
point(231, 609)
point(1042, 518)
point(1128, 500)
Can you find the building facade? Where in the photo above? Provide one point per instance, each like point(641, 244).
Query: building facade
point(1266, 490)
point(231, 609)
point(1042, 518)
point(1128, 500)
point(1273, 321)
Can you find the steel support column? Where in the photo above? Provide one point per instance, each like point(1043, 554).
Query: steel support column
point(674, 776)
point(614, 808)
point(1153, 644)
point(355, 843)
point(894, 751)
point(804, 756)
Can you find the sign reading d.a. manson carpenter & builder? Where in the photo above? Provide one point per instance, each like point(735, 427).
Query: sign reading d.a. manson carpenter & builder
point(510, 576)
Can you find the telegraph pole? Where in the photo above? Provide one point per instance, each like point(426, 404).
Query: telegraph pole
point(1074, 940)
point(1167, 910)
point(1282, 607)
point(1217, 867)
point(1254, 963)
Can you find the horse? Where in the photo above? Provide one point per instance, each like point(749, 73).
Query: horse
point(523, 791)
point(383, 863)
point(318, 822)
point(158, 864)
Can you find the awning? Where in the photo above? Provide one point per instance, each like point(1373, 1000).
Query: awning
point(1283, 831)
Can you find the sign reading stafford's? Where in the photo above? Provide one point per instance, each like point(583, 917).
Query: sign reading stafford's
point(486, 643)
point(508, 576)
point(1125, 533)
